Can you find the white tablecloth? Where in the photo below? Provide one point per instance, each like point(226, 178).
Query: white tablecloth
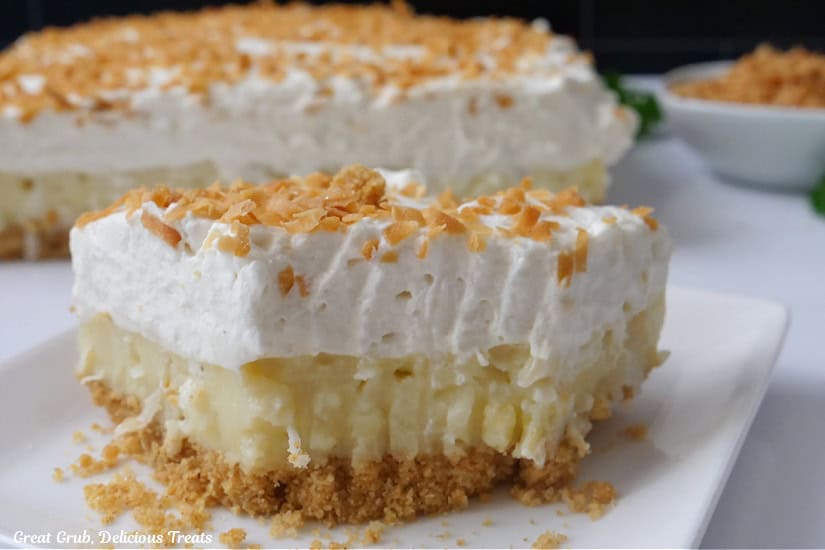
point(728, 238)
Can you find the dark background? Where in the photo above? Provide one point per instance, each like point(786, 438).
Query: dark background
point(626, 35)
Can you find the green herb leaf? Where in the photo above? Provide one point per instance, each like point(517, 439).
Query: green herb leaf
point(644, 103)
point(818, 197)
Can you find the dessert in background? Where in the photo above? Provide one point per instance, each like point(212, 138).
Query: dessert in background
point(767, 76)
point(345, 346)
point(266, 91)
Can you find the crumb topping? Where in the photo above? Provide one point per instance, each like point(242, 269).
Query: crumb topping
point(332, 203)
point(793, 78)
point(97, 65)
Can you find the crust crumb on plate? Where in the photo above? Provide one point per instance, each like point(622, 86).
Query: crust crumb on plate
point(373, 532)
point(233, 538)
point(125, 493)
point(592, 498)
point(635, 432)
point(550, 539)
point(95, 427)
point(86, 465)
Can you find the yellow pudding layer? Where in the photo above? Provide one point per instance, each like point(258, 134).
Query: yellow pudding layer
point(69, 194)
point(294, 412)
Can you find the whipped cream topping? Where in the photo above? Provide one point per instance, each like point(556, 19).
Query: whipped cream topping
point(228, 310)
point(550, 114)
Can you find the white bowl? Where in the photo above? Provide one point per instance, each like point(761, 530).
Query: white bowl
point(756, 144)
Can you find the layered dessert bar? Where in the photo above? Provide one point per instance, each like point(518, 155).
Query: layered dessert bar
point(348, 347)
point(265, 91)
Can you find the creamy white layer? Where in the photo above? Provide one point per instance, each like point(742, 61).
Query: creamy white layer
point(226, 310)
point(557, 117)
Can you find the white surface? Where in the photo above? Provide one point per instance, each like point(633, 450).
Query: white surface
point(727, 238)
point(762, 145)
point(697, 407)
point(459, 303)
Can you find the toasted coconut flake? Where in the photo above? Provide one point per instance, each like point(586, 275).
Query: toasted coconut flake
point(436, 218)
point(435, 230)
point(236, 243)
point(350, 219)
point(565, 268)
point(526, 221)
point(331, 224)
point(238, 211)
point(389, 257)
point(286, 279)
point(468, 216)
point(88, 217)
point(305, 221)
point(476, 242)
point(504, 101)
point(543, 230)
point(160, 229)
point(581, 250)
point(610, 220)
point(398, 231)
point(401, 214)
point(414, 190)
point(564, 200)
point(509, 206)
point(517, 194)
point(645, 212)
point(369, 248)
point(423, 249)
point(367, 184)
point(472, 106)
point(446, 200)
point(303, 286)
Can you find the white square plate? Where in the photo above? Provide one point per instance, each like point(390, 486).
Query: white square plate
point(698, 407)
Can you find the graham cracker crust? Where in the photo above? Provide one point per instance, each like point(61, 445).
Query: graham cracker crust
point(39, 239)
point(392, 489)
